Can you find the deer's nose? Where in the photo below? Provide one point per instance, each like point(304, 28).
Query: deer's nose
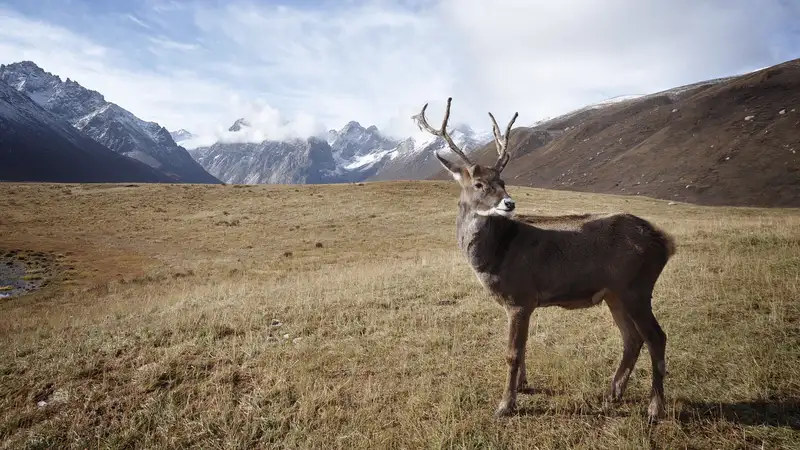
point(509, 204)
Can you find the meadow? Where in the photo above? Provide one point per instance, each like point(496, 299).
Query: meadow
point(343, 316)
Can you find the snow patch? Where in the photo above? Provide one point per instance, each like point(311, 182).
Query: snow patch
point(365, 161)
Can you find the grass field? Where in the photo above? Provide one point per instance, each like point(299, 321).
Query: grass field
point(344, 317)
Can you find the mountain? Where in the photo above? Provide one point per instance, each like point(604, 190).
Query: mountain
point(350, 154)
point(239, 125)
point(105, 122)
point(353, 153)
point(298, 161)
point(727, 141)
point(354, 141)
point(181, 135)
point(360, 152)
point(414, 160)
point(37, 146)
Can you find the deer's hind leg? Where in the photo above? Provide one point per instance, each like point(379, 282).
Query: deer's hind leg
point(631, 347)
point(656, 341)
point(638, 305)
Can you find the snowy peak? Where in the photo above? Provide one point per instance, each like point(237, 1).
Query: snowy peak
point(413, 159)
point(181, 135)
point(354, 141)
point(352, 153)
point(36, 145)
point(240, 124)
point(107, 123)
point(352, 127)
point(67, 99)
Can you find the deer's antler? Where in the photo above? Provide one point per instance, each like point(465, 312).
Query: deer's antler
point(422, 122)
point(502, 143)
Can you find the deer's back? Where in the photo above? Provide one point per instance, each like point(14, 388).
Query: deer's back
point(574, 256)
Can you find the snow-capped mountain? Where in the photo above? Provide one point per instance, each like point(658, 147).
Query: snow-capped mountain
point(413, 159)
point(105, 122)
point(35, 145)
point(353, 153)
point(298, 161)
point(354, 141)
point(181, 135)
point(239, 125)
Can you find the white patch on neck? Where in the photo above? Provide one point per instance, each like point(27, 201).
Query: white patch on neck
point(495, 211)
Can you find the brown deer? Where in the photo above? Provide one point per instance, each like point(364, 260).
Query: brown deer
point(572, 262)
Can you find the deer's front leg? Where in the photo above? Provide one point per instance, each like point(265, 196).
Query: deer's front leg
point(518, 320)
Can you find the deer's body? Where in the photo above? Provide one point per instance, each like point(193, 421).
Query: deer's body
point(523, 262)
point(571, 262)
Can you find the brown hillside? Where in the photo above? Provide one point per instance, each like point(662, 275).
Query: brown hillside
point(689, 144)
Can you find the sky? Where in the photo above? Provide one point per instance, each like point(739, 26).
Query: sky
point(304, 66)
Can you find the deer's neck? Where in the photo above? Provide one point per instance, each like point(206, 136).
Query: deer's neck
point(484, 240)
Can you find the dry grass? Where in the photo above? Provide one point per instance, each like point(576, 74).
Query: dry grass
point(344, 317)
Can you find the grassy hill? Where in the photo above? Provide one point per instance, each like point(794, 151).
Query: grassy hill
point(343, 316)
point(732, 141)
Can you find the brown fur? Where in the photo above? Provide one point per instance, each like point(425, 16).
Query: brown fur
point(573, 262)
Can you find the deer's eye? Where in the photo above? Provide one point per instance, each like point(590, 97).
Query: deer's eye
point(478, 185)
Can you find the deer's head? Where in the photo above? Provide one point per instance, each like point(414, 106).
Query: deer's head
point(482, 189)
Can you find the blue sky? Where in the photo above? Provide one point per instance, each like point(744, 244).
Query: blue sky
point(297, 67)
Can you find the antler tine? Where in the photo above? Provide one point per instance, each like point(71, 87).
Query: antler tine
point(502, 142)
point(422, 123)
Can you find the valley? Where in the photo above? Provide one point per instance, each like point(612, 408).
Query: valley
point(281, 316)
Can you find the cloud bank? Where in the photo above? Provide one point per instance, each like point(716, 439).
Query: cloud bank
point(298, 68)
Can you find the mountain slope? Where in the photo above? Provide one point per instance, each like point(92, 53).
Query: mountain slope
point(414, 160)
point(36, 146)
point(181, 135)
point(299, 161)
point(730, 141)
point(105, 122)
point(351, 154)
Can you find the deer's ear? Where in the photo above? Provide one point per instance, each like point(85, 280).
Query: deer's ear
point(456, 171)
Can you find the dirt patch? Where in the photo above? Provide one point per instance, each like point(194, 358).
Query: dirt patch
point(22, 272)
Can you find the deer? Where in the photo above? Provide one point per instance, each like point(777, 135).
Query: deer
point(572, 262)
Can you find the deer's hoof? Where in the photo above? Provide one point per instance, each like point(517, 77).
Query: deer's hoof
point(607, 403)
point(612, 397)
point(655, 411)
point(505, 410)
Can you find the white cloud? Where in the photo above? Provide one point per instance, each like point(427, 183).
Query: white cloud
point(169, 44)
point(264, 122)
point(545, 57)
point(137, 21)
point(295, 70)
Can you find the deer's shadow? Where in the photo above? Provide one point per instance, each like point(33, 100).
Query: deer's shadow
point(774, 413)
